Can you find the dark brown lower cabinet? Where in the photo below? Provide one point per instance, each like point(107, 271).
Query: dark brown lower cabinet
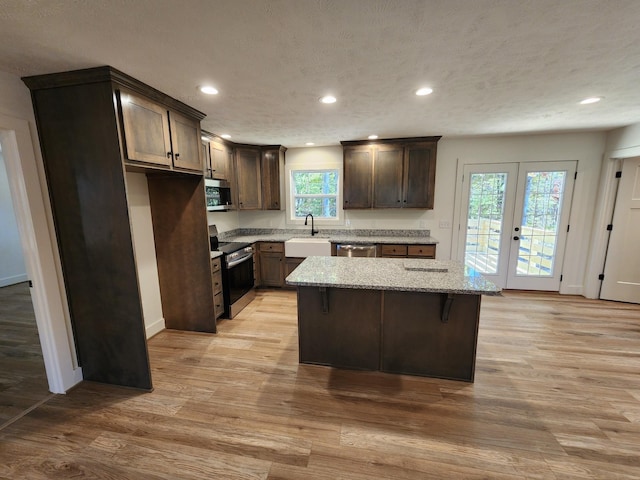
point(289, 266)
point(428, 334)
point(339, 327)
point(417, 341)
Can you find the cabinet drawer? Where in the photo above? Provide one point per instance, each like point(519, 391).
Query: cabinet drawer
point(425, 251)
point(217, 283)
point(272, 246)
point(394, 250)
point(216, 264)
point(218, 305)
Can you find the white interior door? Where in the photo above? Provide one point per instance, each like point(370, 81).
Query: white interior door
point(622, 269)
point(488, 198)
point(515, 226)
point(540, 224)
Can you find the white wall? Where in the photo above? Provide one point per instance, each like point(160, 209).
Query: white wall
point(145, 252)
point(12, 268)
point(224, 221)
point(586, 148)
point(624, 138)
point(25, 173)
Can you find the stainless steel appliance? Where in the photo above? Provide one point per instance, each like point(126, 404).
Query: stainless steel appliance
point(218, 194)
point(343, 250)
point(237, 273)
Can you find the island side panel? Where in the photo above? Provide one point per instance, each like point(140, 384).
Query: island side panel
point(348, 335)
point(416, 341)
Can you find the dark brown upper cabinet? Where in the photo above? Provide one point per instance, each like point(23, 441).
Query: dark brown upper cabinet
point(388, 163)
point(216, 157)
point(153, 134)
point(260, 177)
point(249, 173)
point(358, 171)
point(391, 173)
point(272, 165)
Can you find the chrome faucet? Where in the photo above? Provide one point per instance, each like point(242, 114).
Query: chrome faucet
point(313, 232)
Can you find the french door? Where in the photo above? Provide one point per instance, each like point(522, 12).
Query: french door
point(514, 222)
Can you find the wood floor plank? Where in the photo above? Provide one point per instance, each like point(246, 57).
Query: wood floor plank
point(556, 397)
point(23, 382)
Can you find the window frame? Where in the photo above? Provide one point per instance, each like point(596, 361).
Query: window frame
point(291, 169)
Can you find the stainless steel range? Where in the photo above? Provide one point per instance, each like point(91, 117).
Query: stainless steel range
point(237, 274)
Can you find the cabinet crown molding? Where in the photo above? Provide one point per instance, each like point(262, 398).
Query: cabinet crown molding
point(107, 73)
point(387, 141)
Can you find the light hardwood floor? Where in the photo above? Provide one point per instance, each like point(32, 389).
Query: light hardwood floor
point(23, 382)
point(556, 396)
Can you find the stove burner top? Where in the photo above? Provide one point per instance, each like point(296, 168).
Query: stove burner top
point(230, 247)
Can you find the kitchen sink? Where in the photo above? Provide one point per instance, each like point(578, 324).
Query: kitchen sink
point(307, 247)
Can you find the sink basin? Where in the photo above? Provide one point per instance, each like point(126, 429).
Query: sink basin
point(307, 247)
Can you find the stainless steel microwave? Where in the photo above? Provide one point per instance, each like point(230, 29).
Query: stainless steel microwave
point(218, 195)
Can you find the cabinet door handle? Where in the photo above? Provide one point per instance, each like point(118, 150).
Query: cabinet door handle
point(177, 155)
point(168, 154)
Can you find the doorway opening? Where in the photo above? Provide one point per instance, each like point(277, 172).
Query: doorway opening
point(23, 378)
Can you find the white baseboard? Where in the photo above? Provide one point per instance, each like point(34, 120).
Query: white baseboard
point(154, 328)
point(572, 290)
point(6, 281)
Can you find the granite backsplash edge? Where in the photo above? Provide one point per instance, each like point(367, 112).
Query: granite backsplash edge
point(238, 232)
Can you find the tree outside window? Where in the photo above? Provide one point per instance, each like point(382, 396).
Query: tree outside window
point(315, 192)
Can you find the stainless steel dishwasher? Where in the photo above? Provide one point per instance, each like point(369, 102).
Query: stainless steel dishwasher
point(349, 250)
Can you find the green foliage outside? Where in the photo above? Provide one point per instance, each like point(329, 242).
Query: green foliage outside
point(486, 196)
point(542, 200)
point(315, 192)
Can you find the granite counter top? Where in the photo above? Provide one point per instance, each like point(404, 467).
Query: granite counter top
point(402, 274)
point(416, 237)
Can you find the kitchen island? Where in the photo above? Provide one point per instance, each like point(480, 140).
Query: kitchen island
point(411, 316)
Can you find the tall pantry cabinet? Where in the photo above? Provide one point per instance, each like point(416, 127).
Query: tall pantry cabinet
point(94, 125)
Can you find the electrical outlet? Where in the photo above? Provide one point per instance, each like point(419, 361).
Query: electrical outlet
point(444, 224)
point(347, 222)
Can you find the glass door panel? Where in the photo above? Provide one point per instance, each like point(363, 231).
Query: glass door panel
point(540, 218)
point(488, 194)
point(540, 225)
point(484, 221)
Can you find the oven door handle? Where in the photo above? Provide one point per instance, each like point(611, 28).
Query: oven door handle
point(239, 261)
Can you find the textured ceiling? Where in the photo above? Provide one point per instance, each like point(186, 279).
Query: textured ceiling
point(496, 66)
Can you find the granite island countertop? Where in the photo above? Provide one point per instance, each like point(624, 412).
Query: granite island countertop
point(401, 274)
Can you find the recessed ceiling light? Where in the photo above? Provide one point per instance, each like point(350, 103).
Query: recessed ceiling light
point(328, 99)
point(309, 144)
point(421, 92)
point(225, 135)
point(208, 89)
point(589, 100)
point(372, 137)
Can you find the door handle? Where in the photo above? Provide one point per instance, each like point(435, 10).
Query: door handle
point(516, 238)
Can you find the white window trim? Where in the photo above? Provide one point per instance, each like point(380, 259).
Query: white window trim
point(305, 167)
